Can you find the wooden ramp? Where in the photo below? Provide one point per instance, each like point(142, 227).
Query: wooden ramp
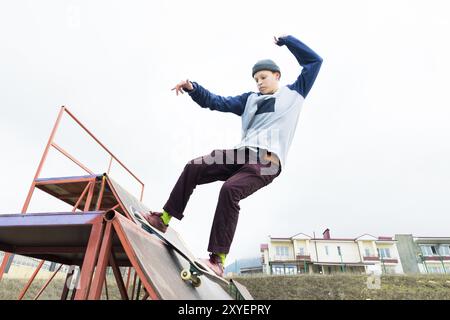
point(103, 236)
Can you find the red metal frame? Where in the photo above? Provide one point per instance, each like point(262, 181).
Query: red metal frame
point(106, 149)
point(100, 197)
point(116, 222)
point(90, 259)
point(96, 238)
point(30, 281)
point(102, 264)
point(51, 143)
point(47, 283)
point(68, 155)
point(81, 196)
point(66, 289)
point(118, 276)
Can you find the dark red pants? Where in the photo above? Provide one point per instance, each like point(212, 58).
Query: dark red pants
point(243, 172)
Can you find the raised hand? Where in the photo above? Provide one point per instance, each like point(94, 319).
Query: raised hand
point(276, 39)
point(183, 85)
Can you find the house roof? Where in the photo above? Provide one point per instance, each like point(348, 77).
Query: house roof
point(304, 236)
point(344, 263)
point(334, 239)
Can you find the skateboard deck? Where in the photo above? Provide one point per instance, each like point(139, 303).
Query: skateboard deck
point(136, 208)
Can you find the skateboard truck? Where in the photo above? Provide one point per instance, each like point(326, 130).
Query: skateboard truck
point(191, 275)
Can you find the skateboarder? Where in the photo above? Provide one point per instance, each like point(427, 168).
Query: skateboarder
point(269, 118)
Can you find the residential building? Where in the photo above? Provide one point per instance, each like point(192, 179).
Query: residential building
point(302, 253)
point(424, 254)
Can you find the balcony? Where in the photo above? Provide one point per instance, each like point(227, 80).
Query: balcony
point(282, 258)
point(389, 260)
point(371, 258)
point(303, 257)
point(377, 258)
point(436, 258)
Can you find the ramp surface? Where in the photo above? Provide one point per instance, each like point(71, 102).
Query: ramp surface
point(162, 266)
point(63, 237)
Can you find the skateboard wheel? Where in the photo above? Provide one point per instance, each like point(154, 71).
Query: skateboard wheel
point(196, 282)
point(185, 274)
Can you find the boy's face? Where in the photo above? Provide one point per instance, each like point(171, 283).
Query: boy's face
point(267, 81)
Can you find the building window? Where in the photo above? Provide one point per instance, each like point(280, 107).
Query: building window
point(435, 269)
point(384, 252)
point(290, 270)
point(278, 269)
point(339, 251)
point(301, 251)
point(428, 250)
point(367, 252)
point(326, 251)
point(444, 250)
point(282, 252)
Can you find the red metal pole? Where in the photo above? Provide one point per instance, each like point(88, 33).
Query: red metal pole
point(102, 145)
point(102, 264)
point(44, 157)
point(118, 276)
point(109, 166)
point(100, 196)
point(117, 220)
point(81, 197)
point(139, 289)
point(38, 171)
point(6, 258)
point(69, 276)
point(106, 289)
point(128, 278)
point(47, 283)
point(138, 293)
point(134, 285)
point(142, 193)
point(30, 281)
point(68, 155)
point(114, 208)
point(68, 180)
point(90, 259)
point(89, 196)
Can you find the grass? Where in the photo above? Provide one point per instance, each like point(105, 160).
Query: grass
point(11, 288)
point(297, 287)
point(348, 287)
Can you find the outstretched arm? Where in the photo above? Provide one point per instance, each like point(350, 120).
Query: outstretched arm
point(206, 99)
point(308, 59)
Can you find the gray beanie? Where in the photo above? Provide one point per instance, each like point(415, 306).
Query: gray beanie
point(265, 64)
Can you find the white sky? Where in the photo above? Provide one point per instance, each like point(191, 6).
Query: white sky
point(371, 152)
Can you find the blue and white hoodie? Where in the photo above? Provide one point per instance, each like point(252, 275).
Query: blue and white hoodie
point(269, 121)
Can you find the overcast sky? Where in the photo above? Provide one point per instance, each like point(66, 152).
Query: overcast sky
point(371, 152)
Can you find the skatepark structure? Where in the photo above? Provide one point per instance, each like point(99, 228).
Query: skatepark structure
point(99, 235)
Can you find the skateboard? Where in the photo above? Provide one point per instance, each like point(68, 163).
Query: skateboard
point(196, 268)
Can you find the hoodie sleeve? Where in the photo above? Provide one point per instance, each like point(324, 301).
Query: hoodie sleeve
point(308, 59)
point(206, 99)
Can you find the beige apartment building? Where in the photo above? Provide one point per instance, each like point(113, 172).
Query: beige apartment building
point(302, 253)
